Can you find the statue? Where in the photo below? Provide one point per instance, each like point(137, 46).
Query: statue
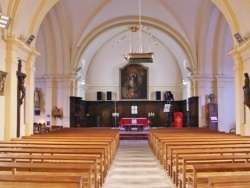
point(37, 99)
point(169, 96)
point(21, 88)
point(211, 97)
point(246, 91)
point(21, 80)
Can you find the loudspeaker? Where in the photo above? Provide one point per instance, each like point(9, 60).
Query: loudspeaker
point(99, 95)
point(158, 95)
point(109, 95)
point(30, 39)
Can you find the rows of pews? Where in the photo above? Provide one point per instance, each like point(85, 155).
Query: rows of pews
point(66, 158)
point(201, 158)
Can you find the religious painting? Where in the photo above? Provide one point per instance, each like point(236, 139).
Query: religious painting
point(2, 82)
point(134, 82)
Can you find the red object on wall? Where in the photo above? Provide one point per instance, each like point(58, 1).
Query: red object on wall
point(178, 119)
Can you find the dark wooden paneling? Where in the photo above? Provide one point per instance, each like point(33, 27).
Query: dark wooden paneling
point(99, 113)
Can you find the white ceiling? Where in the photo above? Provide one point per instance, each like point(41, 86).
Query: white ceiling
point(177, 25)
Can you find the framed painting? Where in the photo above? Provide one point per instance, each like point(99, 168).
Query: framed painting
point(2, 82)
point(134, 82)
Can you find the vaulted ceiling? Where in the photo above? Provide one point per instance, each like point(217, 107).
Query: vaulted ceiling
point(74, 33)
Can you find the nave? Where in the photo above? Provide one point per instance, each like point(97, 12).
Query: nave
point(135, 166)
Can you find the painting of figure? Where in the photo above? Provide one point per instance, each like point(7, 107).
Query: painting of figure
point(134, 82)
point(2, 82)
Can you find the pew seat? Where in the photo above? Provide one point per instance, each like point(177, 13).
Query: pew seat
point(84, 170)
point(41, 181)
point(242, 181)
point(201, 172)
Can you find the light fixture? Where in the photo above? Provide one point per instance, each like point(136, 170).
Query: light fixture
point(142, 56)
point(4, 21)
point(239, 38)
point(30, 39)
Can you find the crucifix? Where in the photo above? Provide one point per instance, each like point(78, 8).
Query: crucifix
point(20, 93)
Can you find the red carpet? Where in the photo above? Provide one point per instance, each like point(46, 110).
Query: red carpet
point(134, 135)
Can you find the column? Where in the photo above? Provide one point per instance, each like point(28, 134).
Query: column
point(222, 121)
point(10, 125)
point(48, 96)
point(202, 88)
point(17, 49)
point(67, 86)
point(30, 82)
point(241, 56)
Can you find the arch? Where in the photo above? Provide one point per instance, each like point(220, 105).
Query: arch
point(155, 24)
point(228, 12)
point(36, 14)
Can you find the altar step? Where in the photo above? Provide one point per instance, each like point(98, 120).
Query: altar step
point(133, 136)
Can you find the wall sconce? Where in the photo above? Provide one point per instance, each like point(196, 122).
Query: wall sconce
point(239, 38)
point(4, 21)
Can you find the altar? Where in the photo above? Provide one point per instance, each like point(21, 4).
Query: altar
point(128, 123)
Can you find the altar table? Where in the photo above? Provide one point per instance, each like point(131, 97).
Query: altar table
point(140, 123)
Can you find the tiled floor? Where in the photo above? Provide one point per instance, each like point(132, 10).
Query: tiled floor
point(135, 166)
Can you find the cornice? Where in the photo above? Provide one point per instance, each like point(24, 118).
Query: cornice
point(242, 51)
point(19, 45)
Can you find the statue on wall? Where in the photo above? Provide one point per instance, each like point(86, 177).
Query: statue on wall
point(169, 96)
point(211, 98)
point(21, 80)
point(37, 99)
point(246, 91)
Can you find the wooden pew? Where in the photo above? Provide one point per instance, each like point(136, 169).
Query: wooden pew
point(187, 162)
point(162, 142)
point(186, 144)
point(106, 157)
point(162, 145)
point(49, 168)
point(176, 153)
point(85, 138)
point(195, 141)
point(79, 133)
point(173, 161)
point(55, 159)
point(189, 144)
point(179, 153)
point(201, 172)
point(241, 181)
point(114, 141)
point(41, 181)
point(109, 155)
point(160, 148)
point(111, 149)
point(179, 134)
point(81, 152)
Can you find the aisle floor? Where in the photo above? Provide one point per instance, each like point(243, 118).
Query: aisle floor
point(135, 166)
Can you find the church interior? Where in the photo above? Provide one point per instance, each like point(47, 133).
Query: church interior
point(97, 71)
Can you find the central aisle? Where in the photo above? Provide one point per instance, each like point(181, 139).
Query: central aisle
point(135, 166)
